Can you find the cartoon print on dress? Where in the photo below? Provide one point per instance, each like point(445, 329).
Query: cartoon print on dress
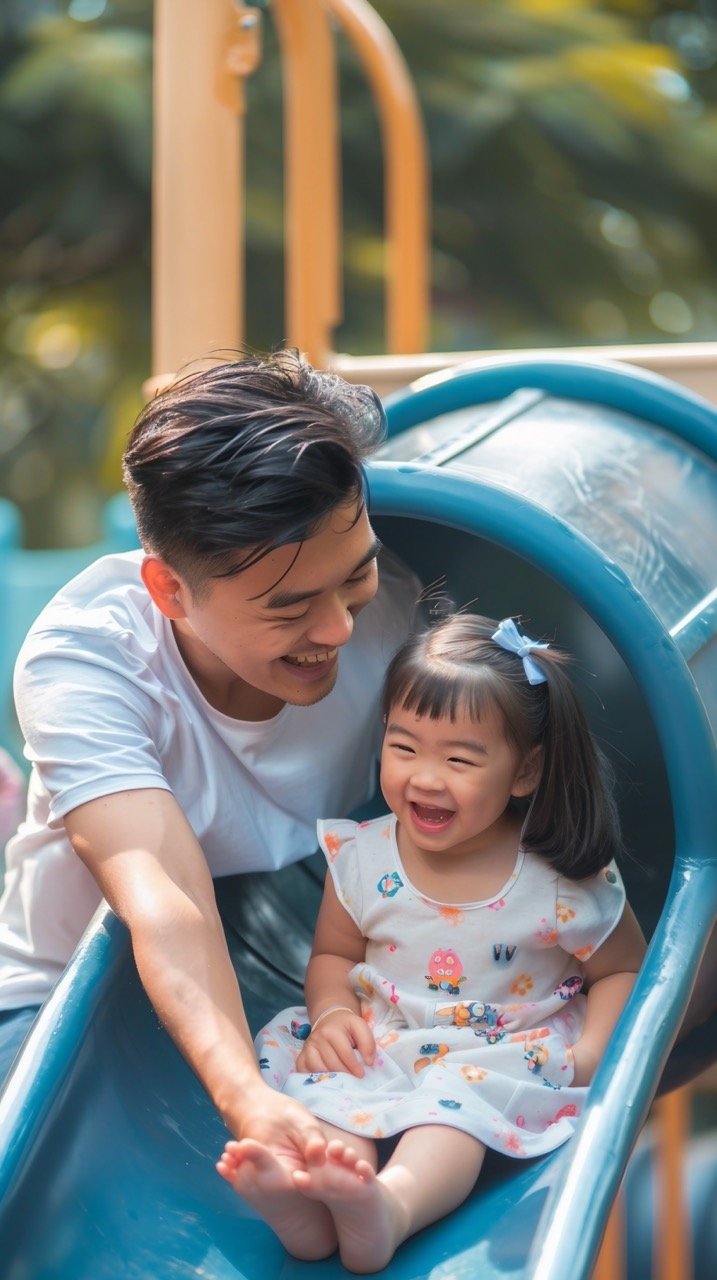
point(389, 884)
point(452, 915)
point(547, 933)
point(445, 972)
point(473, 1074)
point(536, 1058)
point(366, 986)
point(450, 1104)
point(469, 1013)
point(333, 845)
point(394, 996)
point(522, 985)
point(584, 953)
point(431, 1053)
point(568, 1110)
point(536, 1033)
point(569, 987)
point(503, 951)
point(361, 1118)
point(492, 1037)
point(318, 1077)
point(512, 1143)
point(300, 1030)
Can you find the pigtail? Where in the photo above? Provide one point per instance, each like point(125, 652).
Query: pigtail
point(572, 819)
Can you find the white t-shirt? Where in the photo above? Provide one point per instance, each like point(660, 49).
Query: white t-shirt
point(106, 704)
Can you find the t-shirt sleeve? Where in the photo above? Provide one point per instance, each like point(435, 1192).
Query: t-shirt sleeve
point(587, 911)
point(337, 838)
point(89, 730)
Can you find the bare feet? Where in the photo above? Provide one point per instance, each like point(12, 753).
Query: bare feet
point(369, 1221)
point(306, 1231)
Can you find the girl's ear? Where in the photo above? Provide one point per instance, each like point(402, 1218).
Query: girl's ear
point(528, 775)
point(165, 588)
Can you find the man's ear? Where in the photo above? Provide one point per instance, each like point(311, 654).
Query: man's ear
point(528, 775)
point(166, 589)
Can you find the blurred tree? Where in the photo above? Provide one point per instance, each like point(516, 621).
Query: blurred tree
point(75, 152)
point(573, 146)
point(574, 154)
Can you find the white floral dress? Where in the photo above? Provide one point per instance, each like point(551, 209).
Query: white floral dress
point(474, 1006)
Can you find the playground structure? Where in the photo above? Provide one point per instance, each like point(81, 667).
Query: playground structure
point(517, 478)
point(198, 246)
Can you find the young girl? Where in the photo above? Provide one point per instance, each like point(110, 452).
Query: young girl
point(472, 952)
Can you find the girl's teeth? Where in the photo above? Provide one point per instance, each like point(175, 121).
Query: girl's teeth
point(428, 814)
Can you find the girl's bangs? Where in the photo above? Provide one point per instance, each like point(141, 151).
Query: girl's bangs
point(446, 690)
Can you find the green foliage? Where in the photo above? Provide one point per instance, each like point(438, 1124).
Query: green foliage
point(574, 158)
point(573, 148)
point(75, 152)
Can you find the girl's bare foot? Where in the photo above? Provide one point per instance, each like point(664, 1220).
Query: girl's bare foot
point(369, 1221)
point(306, 1231)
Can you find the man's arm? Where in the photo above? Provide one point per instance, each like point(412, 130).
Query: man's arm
point(150, 868)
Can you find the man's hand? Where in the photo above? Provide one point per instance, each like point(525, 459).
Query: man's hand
point(284, 1127)
point(332, 1046)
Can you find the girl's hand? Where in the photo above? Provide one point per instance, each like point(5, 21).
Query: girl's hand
point(332, 1046)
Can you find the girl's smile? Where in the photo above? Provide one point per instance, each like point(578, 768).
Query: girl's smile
point(428, 818)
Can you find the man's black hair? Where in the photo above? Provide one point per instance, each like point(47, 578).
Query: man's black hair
point(245, 456)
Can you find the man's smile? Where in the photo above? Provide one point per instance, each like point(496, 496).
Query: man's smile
point(310, 659)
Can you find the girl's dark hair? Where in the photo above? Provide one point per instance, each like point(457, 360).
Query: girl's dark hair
point(456, 666)
point(248, 455)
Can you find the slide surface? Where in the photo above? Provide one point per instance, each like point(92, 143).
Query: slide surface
point(110, 1141)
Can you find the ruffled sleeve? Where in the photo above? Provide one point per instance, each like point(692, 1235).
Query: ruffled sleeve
point(587, 911)
point(337, 838)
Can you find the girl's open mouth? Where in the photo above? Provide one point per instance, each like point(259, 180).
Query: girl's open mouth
point(430, 818)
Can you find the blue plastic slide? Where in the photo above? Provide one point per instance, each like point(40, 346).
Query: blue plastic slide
point(583, 496)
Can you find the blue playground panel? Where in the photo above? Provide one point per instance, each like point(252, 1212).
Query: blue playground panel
point(585, 497)
point(30, 578)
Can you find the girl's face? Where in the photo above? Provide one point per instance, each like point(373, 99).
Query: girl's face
point(449, 781)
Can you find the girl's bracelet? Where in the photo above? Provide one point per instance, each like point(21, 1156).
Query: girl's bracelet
point(334, 1008)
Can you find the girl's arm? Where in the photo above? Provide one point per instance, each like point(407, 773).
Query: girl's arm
point(610, 974)
point(334, 1011)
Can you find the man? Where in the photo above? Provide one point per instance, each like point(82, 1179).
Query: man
point(189, 711)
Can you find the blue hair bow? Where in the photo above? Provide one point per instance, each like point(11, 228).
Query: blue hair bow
point(509, 637)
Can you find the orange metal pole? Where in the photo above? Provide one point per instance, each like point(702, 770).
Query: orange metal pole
point(406, 174)
point(672, 1238)
point(610, 1264)
point(197, 251)
point(311, 175)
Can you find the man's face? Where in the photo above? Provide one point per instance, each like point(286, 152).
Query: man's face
point(272, 634)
